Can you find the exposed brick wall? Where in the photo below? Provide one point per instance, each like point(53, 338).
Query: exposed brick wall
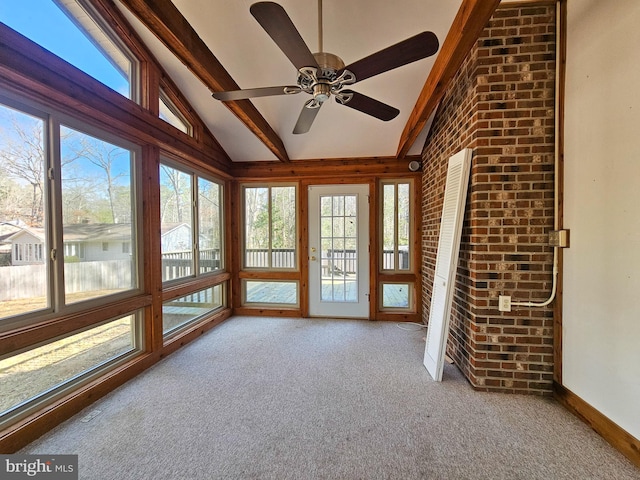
point(501, 104)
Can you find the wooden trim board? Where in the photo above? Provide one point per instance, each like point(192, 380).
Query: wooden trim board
point(619, 438)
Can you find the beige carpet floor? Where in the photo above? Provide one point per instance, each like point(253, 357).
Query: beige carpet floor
point(279, 398)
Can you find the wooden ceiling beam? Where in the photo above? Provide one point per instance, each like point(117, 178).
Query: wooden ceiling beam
point(172, 29)
point(337, 168)
point(467, 26)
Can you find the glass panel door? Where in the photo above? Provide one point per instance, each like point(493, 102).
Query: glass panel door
point(338, 257)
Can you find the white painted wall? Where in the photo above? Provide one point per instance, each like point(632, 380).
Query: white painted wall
point(94, 252)
point(601, 313)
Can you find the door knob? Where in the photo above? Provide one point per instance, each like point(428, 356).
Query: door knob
point(313, 258)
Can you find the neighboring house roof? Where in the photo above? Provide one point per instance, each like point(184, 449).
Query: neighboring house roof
point(35, 232)
point(99, 232)
point(9, 233)
point(4, 238)
point(7, 230)
point(85, 232)
point(5, 243)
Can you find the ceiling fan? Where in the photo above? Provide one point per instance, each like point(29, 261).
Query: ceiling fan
point(324, 74)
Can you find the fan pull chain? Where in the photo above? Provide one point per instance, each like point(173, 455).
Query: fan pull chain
point(320, 26)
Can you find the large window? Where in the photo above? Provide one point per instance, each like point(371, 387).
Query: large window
point(270, 227)
point(270, 293)
point(209, 204)
point(398, 283)
point(24, 242)
point(48, 369)
point(396, 225)
point(59, 209)
point(72, 30)
point(182, 311)
point(191, 223)
point(97, 216)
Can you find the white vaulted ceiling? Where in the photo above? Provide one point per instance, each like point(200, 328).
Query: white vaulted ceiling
point(352, 30)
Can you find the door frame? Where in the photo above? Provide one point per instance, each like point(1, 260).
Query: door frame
point(304, 237)
point(364, 248)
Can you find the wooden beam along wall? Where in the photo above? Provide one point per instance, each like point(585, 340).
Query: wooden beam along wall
point(338, 168)
point(469, 22)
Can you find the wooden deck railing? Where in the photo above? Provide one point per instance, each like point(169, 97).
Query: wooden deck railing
point(109, 274)
point(341, 260)
point(280, 258)
point(180, 264)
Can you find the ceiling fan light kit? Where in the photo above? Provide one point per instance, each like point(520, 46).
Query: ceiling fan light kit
point(324, 74)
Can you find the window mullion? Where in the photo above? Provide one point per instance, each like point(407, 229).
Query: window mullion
point(53, 220)
point(410, 225)
point(396, 239)
point(221, 231)
point(195, 221)
point(270, 240)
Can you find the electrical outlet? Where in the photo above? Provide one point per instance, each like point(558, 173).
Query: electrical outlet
point(504, 303)
point(559, 238)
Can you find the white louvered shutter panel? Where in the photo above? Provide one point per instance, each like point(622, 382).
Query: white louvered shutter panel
point(455, 195)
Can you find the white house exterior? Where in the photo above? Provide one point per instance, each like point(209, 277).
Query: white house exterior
point(176, 237)
point(90, 242)
point(27, 247)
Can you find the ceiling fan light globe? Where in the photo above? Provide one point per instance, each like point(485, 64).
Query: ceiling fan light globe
point(321, 92)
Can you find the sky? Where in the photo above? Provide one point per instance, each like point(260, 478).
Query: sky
point(44, 23)
point(71, 141)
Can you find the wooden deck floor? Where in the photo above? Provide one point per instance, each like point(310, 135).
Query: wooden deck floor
point(343, 289)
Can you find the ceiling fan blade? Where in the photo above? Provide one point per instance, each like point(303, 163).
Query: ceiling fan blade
point(367, 105)
point(256, 92)
point(410, 50)
point(306, 118)
point(273, 18)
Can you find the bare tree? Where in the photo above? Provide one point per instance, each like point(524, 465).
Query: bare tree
point(209, 213)
point(13, 198)
point(256, 215)
point(106, 157)
point(180, 193)
point(23, 158)
point(81, 200)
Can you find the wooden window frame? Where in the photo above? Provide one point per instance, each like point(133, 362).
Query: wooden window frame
point(243, 242)
point(165, 98)
point(195, 174)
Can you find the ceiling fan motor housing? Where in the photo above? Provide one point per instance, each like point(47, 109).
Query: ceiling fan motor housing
point(329, 64)
point(324, 80)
